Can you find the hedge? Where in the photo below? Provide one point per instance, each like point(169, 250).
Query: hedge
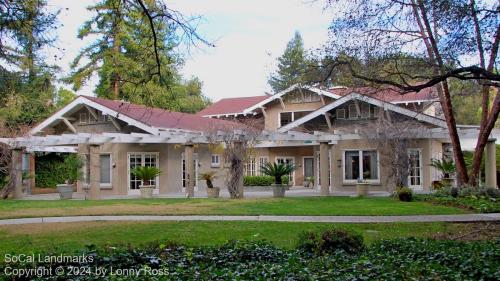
point(400, 259)
point(49, 169)
point(261, 180)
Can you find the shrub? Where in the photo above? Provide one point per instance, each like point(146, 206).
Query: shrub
point(405, 194)
point(257, 180)
point(277, 170)
point(330, 241)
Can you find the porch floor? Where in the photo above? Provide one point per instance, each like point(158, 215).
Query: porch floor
point(296, 191)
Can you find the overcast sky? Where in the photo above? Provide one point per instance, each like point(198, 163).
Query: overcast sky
point(249, 36)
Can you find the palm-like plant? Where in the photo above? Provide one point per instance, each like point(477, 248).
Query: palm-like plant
point(446, 167)
point(208, 177)
point(146, 174)
point(277, 170)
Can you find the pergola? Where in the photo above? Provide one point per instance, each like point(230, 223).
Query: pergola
point(89, 144)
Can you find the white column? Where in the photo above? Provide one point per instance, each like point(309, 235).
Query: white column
point(95, 172)
point(491, 164)
point(323, 172)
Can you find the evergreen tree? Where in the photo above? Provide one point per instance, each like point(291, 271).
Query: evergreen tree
point(292, 65)
point(123, 58)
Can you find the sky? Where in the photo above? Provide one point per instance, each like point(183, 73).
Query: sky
point(248, 35)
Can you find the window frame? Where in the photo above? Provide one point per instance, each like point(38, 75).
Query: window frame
point(337, 113)
point(262, 161)
point(215, 164)
point(143, 154)
point(279, 118)
point(360, 166)
point(106, 184)
point(80, 120)
point(355, 112)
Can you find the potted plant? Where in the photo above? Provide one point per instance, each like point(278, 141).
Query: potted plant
point(72, 167)
point(208, 177)
point(362, 187)
point(447, 169)
point(309, 182)
point(146, 174)
point(277, 171)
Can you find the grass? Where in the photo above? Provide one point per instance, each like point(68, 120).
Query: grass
point(70, 237)
point(269, 206)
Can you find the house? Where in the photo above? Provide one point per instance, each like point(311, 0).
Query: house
point(333, 135)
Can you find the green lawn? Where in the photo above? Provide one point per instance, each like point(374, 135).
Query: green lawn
point(69, 237)
point(268, 206)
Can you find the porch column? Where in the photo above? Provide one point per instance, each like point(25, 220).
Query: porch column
point(83, 153)
point(18, 172)
point(32, 182)
point(323, 172)
point(95, 172)
point(491, 164)
point(190, 170)
point(332, 166)
point(239, 147)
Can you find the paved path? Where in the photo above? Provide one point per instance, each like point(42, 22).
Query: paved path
point(325, 219)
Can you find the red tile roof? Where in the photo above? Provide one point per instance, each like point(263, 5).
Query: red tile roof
point(391, 95)
point(166, 119)
point(231, 105)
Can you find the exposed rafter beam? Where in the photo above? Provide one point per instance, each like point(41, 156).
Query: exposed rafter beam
point(68, 124)
point(263, 109)
point(282, 103)
point(92, 111)
point(328, 122)
point(115, 123)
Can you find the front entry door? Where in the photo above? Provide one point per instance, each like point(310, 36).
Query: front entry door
point(308, 167)
point(195, 156)
point(415, 169)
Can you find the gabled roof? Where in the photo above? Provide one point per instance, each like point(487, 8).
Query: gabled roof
point(286, 91)
point(390, 94)
point(371, 100)
point(231, 106)
point(149, 119)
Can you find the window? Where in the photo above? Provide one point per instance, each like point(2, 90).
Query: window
point(299, 114)
point(105, 169)
point(262, 161)
point(285, 118)
point(250, 167)
point(353, 111)
point(362, 164)
point(311, 97)
point(340, 113)
point(215, 160)
point(415, 168)
point(148, 159)
point(102, 117)
point(92, 119)
point(294, 97)
point(365, 110)
point(84, 118)
point(373, 111)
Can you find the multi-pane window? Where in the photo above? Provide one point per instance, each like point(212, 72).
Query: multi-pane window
point(340, 113)
point(311, 97)
point(415, 168)
point(286, 118)
point(105, 160)
point(148, 159)
point(250, 167)
point(262, 161)
point(215, 160)
point(84, 119)
point(361, 165)
point(353, 111)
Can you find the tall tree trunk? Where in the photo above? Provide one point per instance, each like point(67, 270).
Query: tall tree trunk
point(116, 75)
point(427, 34)
point(488, 118)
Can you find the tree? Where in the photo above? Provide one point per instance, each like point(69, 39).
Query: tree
point(292, 65)
point(25, 29)
point(64, 97)
point(125, 57)
point(438, 34)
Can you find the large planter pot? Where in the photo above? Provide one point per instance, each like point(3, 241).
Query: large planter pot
point(362, 189)
point(279, 190)
point(147, 191)
point(65, 190)
point(213, 192)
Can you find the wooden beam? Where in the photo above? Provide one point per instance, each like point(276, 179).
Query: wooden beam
point(328, 122)
point(69, 125)
point(358, 108)
point(263, 109)
point(282, 103)
point(322, 99)
point(92, 111)
point(115, 123)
